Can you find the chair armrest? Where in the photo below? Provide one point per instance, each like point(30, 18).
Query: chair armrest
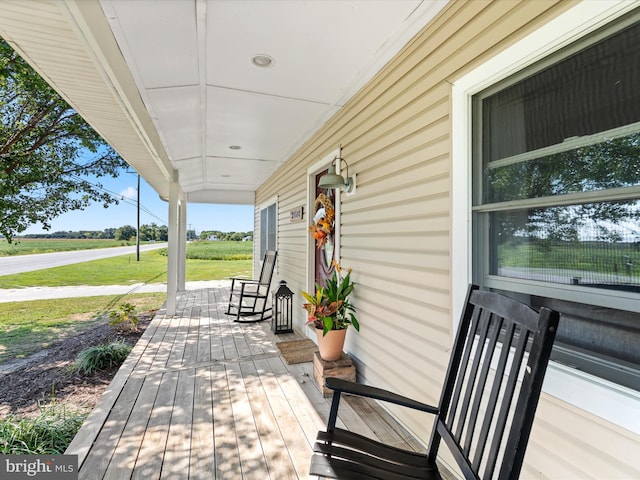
point(345, 386)
point(242, 282)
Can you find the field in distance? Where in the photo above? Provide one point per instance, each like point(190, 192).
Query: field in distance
point(206, 260)
point(29, 246)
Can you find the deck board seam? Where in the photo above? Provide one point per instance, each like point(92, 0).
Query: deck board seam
point(211, 363)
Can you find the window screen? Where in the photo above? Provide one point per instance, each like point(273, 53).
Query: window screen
point(557, 195)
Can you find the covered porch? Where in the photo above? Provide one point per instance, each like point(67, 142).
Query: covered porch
point(203, 397)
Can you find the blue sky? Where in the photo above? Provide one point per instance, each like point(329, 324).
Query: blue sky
point(226, 218)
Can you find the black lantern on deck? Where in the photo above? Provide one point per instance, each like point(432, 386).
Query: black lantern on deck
point(282, 320)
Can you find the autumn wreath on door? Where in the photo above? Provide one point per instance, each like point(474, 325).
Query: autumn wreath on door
point(322, 228)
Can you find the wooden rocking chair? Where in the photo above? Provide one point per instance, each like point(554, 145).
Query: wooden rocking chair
point(249, 298)
point(486, 408)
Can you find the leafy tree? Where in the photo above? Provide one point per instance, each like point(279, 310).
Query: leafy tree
point(108, 233)
point(162, 234)
point(126, 232)
point(154, 232)
point(204, 235)
point(146, 233)
point(46, 151)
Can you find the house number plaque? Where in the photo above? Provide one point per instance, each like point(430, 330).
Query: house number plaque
point(297, 214)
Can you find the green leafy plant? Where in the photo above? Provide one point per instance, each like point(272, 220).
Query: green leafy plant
point(124, 318)
point(100, 357)
point(50, 432)
point(329, 308)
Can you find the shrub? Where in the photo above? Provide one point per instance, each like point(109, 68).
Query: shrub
point(124, 318)
point(100, 357)
point(50, 433)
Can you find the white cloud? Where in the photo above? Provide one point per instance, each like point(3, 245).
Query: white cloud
point(130, 193)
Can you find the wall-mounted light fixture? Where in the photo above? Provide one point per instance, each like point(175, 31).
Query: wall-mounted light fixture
point(332, 180)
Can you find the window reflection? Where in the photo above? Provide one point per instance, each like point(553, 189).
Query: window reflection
point(595, 245)
point(610, 164)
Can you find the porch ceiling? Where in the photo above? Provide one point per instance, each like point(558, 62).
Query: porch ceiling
point(171, 84)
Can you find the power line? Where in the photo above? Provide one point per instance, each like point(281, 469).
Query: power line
point(120, 198)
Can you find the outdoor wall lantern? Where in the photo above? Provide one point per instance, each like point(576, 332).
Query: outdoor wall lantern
point(332, 180)
point(282, 320)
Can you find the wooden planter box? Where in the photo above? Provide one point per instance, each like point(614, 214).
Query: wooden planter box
point(343, 368)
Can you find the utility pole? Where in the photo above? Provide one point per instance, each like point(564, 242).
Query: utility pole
point(138, 229)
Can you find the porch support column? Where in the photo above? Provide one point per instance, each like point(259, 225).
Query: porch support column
point(173, 256)
point(182, 244)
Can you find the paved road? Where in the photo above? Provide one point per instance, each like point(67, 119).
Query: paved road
point(40, 261)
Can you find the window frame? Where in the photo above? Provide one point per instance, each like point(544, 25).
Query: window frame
point(481, 267)
point(588, 392)
point(265, 233)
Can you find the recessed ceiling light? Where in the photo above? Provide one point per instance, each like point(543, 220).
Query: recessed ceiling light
point(262, 60)
point(235, 147)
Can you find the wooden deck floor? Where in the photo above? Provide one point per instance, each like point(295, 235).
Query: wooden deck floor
point(203, 397)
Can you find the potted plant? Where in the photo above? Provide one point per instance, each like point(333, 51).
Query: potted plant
point(331, 313)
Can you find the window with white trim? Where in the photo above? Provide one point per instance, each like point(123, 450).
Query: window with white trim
point(556, 189)
point(268, 229)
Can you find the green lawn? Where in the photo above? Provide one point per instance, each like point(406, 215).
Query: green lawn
point(27, 327)
point(125, 270)
point(204, 250)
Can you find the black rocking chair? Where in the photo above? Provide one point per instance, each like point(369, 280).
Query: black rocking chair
point(486, 408)
point(249, 297)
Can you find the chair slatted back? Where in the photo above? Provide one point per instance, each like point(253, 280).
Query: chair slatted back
point(493, 384)
point(268, 265)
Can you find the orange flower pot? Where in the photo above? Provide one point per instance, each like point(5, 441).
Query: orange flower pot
point(331, 344)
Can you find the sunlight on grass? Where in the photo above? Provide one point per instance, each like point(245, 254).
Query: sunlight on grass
point(27, 327)
point(125, 270)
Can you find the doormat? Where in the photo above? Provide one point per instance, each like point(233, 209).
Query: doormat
point(297, 351)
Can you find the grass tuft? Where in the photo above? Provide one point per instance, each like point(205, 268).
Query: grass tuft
point(50, 433)
point(101, 357)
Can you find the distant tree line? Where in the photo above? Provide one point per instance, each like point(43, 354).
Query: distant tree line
point(153, 232)
point(148, 233)
point(225, 236)
point(108, 233)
